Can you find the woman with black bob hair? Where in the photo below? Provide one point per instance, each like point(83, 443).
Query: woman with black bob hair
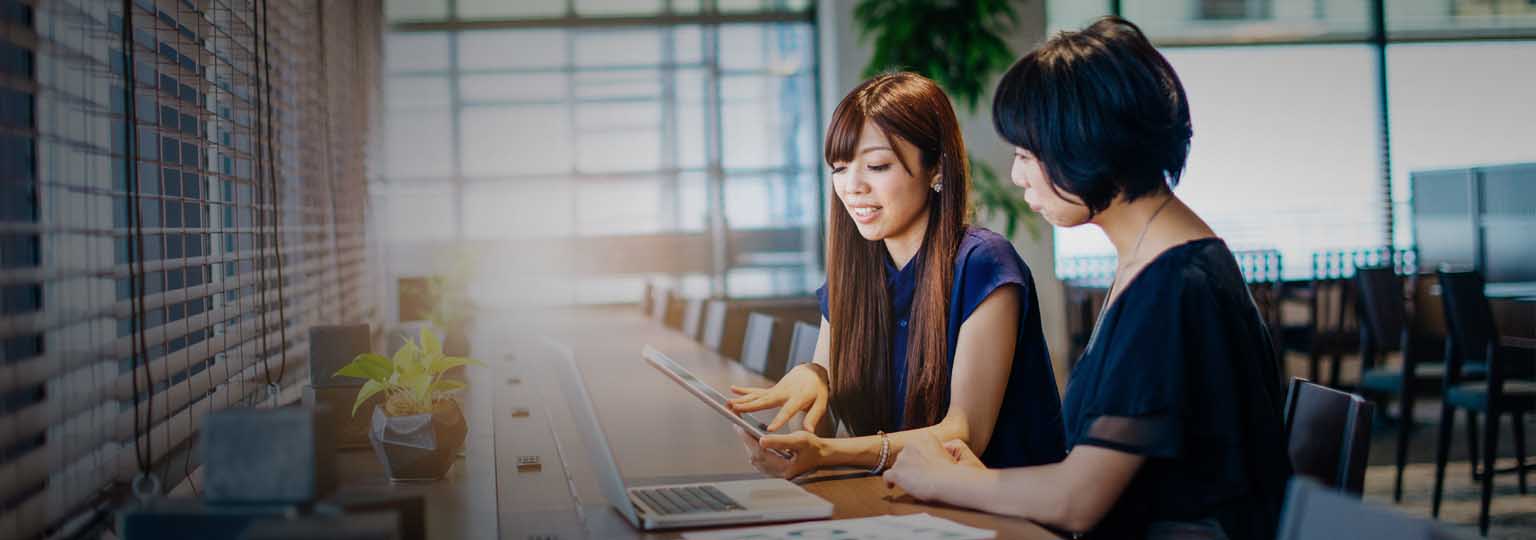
point(1173, 413)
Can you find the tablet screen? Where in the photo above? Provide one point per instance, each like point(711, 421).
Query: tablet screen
point(703, 391)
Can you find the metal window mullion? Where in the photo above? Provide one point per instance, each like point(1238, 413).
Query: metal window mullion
point(713, 157)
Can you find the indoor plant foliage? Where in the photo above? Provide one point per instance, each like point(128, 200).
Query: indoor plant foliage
point(418, 429)
point(959, 44)
point(452, 310)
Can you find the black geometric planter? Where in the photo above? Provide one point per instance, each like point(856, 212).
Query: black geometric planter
point(420, 447)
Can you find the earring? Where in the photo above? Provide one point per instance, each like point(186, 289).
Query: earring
point(938, 187)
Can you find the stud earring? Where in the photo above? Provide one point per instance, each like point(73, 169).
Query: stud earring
point(938, 187)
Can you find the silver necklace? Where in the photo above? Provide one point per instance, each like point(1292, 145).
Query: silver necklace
point(1093, 336)
point(1136, 251)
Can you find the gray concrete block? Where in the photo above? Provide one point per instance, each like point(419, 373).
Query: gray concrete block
point(331, 347)
point(267, 456)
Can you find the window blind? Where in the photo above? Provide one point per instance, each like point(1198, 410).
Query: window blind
point(182, 194)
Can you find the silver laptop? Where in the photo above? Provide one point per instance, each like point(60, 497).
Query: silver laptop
point(683, 505)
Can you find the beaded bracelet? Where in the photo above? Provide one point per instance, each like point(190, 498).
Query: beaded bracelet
point(885, 452)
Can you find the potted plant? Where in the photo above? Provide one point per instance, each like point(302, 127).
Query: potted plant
point(452, 311)
point(960, 46)
point(418, 429)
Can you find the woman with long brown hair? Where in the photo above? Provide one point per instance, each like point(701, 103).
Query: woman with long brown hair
point(930, 327)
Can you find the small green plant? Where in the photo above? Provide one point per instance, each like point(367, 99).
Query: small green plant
point(412, 379)
point(449, 289)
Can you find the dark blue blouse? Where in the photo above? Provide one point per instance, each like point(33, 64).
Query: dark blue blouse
point(1180, 370)
point(1029, 429)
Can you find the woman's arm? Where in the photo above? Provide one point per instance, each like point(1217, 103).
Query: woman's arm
point(983, 360)
point(1072, 495)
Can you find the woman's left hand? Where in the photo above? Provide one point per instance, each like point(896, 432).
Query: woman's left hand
point(804, 448)
point(922, 464)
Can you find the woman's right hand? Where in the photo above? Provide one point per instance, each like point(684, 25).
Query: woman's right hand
point(802, 389)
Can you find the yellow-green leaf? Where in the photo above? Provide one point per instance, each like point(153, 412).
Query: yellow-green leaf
point(369, 389)
point(407, 359)
point(445, 363)
point(429, 342)
point(369, 366)
point(444, 386)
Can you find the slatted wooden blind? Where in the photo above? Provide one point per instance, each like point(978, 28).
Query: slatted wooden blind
point(177, 206)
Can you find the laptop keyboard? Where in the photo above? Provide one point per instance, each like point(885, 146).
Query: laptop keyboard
point(686, 499)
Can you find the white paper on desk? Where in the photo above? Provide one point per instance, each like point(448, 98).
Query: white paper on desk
point(904, 527)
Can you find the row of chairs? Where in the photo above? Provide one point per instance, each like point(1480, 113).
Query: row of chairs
point(1473, 370)
point(768, 337)
point(1330, 325)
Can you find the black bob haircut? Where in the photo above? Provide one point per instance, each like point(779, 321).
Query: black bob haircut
point(1101, 109)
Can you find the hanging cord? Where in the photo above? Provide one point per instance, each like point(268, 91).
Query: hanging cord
point(144, 452)
point(193, 434)
point(258, 192)
point(330, 171)
point(277, 207)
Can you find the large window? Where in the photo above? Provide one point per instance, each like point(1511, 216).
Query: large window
point(181, 197)
point(1289, 150)
point(605, 125)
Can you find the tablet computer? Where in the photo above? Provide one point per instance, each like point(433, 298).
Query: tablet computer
point(706, 393)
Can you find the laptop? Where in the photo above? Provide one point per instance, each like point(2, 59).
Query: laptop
point(649, 508)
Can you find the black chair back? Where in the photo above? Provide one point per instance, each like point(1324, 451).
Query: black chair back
point(660, 298)
point(1469, 326)
point(712, 334)
point(1382, 307)
point(693, 317)
point(1328, 434)
point(759, 352)
point(802, 345)
point(1315, 512)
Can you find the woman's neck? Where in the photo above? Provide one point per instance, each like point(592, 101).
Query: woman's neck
point(1147, 225)
point(903, 246)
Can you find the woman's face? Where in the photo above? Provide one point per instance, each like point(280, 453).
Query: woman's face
point(1059, 208)
point(884, 199)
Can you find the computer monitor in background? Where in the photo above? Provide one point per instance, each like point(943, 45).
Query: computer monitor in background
point(1480, 217)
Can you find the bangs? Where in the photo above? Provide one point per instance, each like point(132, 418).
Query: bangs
point(843, 132)
point(1015, 104)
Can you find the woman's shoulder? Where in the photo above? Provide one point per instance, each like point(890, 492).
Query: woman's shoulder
point(985, 261)
point(986, 246)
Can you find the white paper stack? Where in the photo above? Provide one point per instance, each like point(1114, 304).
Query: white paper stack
point(904, 527)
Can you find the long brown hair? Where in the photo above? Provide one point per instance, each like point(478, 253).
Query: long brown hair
point(912, 108)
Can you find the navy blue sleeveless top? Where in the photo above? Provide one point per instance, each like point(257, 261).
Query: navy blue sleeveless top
point(1029, 427)
point(1180, 370)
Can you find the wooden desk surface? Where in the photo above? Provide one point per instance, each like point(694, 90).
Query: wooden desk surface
point(658, 432)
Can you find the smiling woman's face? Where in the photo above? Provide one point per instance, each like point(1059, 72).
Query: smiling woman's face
point(1058, 207)
point(884, 199)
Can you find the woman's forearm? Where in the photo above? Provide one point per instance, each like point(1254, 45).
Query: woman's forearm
point(864, 452)
point(1028, 492)
point(1072, 495)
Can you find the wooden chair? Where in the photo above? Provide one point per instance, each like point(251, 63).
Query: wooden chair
point(693, 317)
point(802, 345)
point(712, 332)
point(1328, 435)
point(1388, 327)
point(1472, 337)
point(761, 350)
